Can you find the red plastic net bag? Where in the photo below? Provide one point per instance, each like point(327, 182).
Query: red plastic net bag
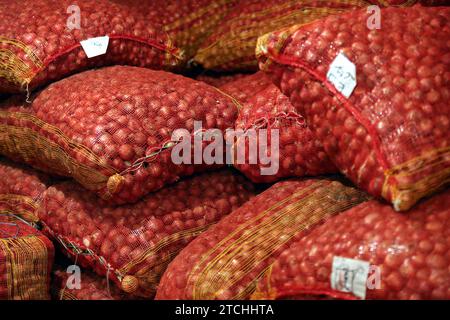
point(226, 261)
point(91, 287)
point(41, 43)
point(371, 252)
point(186, 22)
point(390, 134)
point(297, 152)
point(231, 46)
point(132, 245)
point(21, 188)
point(111, 129)
point(26, 259)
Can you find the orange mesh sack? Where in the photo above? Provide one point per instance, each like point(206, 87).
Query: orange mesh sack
point(371, 252)
point(41, 43)
point(92, 287)
point(226, 261)
point(390, 134)
point(297, 152)
point(232, 44)
point(111, 129)
point(132, 245)
point(21, 189)
point(26, 258)
point(186, 22)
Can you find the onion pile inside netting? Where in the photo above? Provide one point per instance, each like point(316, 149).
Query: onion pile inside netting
point(389, 134)
point(111, 129)
point(186, 22)
point(26, 259)
point(371, 252)
point(231, 46)
point(21, 189)
point(132, 245)
point(226, 261)
point(41, 42)
point(275, 141)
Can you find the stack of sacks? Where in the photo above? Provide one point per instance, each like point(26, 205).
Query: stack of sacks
point(231, 46)
point(132, 244)
point(226, 261)
point(117, 138)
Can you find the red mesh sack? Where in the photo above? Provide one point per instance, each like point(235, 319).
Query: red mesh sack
point(186, 22)
point(36, 51)
point(21, 189)
point(226, 261)
point(231, 46)
point(115, 139)
point(26, 259)
point(133, 244)
point(92, 287)
point(265, 107)
point(390, 137)
point(409, 251)
point(218, 81)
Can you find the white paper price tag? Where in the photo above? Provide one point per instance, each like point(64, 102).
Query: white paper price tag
point(342, 74)
point(350, 275)
point(95, 46)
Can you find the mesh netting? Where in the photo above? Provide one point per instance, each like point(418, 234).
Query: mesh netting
point(187, 22)
point(390, 136)
point(411, 250)
point(132, 245)
point(226, 261)
point(232, 45)
point(35, 51)
point(111, 129)
point(21, 189)
point(265, 107)
point(26, 259)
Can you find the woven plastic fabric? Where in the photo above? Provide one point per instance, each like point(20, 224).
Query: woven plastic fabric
point(132, 245)
point(232, 44)
point(111, 129)
point(409, 254)
point(21, 189)
point(36, 51)
point(263, 106)
point(390, 136)
point(92, 287)
point(226, 261)
point(26, 259)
